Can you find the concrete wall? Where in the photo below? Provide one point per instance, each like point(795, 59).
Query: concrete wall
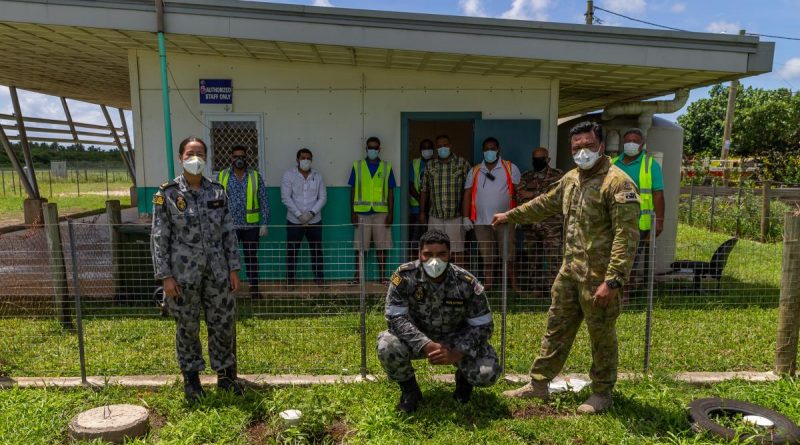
point(331, 109)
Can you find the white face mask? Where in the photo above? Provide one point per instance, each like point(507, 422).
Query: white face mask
point(631, 148)
point(585, 158)
point(194, 165)
point(427, 154)
point(305, 164)
point(434, 267)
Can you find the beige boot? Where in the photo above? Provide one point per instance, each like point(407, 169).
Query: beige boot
point(595, 404)
point(534, 389)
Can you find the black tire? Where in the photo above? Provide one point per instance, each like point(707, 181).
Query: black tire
point(785, 431)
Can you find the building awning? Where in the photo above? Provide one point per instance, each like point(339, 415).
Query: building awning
point(79, 48)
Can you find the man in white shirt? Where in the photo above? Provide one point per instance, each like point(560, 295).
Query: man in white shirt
point(489, 189)
point(304, 195)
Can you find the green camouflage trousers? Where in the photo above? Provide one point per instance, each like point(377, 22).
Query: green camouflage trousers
point(396, 356)
point(571, 303)
point(219, 307)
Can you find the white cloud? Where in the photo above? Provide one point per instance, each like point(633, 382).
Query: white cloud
point(723, 27)
point(678, 8)
point(472, 8)
point(528, 10)
point(322, 3)
point(626, 6)
point(791, 69)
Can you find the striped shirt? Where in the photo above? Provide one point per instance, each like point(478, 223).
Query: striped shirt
point(444, 184)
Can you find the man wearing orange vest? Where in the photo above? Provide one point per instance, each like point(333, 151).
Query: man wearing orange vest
point(489, 189)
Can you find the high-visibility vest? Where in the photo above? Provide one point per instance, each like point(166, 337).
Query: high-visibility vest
point(252, 207)
point(473, 214)
point(647, 208)
point(416, 166)
point(371, 192)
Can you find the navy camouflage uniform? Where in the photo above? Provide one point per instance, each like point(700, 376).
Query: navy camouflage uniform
point(454, 313)
point(193, 240)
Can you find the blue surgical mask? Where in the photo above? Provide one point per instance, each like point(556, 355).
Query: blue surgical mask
point(490, 156)
point(443, 152)
point(372, 154)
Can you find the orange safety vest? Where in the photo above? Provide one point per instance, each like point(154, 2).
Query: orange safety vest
point(475, 171)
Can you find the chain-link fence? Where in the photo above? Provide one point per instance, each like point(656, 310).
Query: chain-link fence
point(708, 304)
point(72, 182)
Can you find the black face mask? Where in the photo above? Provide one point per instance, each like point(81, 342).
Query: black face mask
point(539, 164)
point(239, 163)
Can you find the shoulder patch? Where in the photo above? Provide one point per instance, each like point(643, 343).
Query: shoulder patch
point(396, 279)
point(477, 288)
point(467, 277)
point(407, 266)
point(158, 199)
point(626, 197)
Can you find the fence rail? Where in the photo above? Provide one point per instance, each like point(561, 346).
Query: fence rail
point(89, 308)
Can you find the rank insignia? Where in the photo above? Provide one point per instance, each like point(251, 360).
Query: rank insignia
point(419, 294)
point(158, 199)
point(180, 203)
point(396, 280)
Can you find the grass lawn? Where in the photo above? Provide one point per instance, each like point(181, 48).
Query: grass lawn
point(649, 411)
point(65, 193)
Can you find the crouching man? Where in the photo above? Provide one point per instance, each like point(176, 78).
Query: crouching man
point(437, 311)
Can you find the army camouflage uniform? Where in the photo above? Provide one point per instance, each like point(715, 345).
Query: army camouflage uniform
point(543, 240)
point(194, 241)
point(454, 313)
point(601, 220)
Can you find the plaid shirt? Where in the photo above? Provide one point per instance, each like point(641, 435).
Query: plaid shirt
point(444, 184)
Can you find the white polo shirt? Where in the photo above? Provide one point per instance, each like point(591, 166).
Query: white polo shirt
point(492, 196)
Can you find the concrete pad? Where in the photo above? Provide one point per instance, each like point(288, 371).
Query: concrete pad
point(710, 378)
point(112, 423)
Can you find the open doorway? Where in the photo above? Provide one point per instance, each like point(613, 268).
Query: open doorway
point(461, 133)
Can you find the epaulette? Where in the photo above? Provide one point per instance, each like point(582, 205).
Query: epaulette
point(167, 185)
point(411, 265)
point(466, 276)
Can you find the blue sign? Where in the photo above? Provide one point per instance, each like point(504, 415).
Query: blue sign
point(216, 91)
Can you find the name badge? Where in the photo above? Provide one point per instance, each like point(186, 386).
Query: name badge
point(453, 302)
point(216, 204)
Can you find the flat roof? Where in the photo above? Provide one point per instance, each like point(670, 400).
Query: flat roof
point(79, 48)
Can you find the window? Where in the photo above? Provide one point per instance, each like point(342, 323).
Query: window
point(225, 131)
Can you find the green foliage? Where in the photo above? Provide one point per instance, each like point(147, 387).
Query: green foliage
point(728, 210)
point(650, 410)
point(42, 154)
point(766, 126)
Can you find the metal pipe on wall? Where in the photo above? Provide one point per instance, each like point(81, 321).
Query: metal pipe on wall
point(162, 55)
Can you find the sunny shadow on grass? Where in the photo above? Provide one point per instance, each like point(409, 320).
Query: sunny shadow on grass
point(649, 411)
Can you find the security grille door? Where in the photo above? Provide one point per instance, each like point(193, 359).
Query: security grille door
point(229, 131)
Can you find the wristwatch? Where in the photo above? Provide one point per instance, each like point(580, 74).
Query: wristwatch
point(614, 283)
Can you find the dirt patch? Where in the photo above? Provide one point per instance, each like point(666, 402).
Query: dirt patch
point(260, 432)
point(529, 412)
point(339, 431)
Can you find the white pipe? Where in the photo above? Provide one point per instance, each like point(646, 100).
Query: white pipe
point(654, 106)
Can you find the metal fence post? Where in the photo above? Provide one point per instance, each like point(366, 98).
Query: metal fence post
point(3, 173)
point(648, 326)
point(362, 279)
point(76, 288)
point(106, 183)
point(504, 297)
point(78, 181)
point(691, 202)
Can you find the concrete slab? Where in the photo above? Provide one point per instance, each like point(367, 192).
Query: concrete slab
point(264, 380)
point(111, 423)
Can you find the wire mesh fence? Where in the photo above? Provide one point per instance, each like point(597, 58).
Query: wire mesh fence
point(697, 302)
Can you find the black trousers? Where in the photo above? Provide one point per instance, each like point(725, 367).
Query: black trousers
point(249, 239)
point(294, 237)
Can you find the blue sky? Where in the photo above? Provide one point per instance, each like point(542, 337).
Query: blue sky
point(776, 17)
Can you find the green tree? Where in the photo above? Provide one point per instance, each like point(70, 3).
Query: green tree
point(766, 126)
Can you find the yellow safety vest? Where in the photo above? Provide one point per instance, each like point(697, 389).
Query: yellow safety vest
point(647, 208)
point(416, 165)
point(371, 192)
point(252, 208)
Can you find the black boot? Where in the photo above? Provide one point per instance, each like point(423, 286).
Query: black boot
point(227, 381)
point(410, 397)
point(191, 386)
point(463, 390)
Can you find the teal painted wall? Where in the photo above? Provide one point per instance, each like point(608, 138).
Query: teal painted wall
point(337, 237)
